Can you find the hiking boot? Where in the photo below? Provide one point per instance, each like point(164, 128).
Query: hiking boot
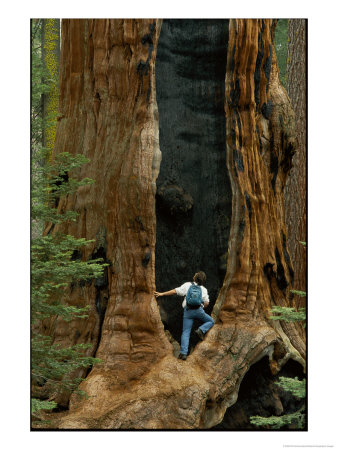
point(200, 334)
point(181, 356)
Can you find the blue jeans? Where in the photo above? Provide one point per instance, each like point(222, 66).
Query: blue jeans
point(188, 320)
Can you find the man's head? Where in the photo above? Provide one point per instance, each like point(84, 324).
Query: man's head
point(200, 278)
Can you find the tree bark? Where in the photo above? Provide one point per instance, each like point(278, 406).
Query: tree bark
point(296, 186)
point(109, 113)
point(50, 53)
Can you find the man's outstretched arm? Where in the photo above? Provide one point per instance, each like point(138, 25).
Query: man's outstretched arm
point(161, 294)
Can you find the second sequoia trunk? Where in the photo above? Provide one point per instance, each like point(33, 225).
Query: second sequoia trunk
point(210, 158)
point(295, 189)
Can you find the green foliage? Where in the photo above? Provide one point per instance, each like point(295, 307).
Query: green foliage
point(300, 293)
point(287, 314)
point(37, 405)
point(293, 385)
point(56, 260)
point(53, 364)
point(281, 47)
point(51, 181)
point(296, 419)
point(53, 268)
point(40, 85)
point(296, 387)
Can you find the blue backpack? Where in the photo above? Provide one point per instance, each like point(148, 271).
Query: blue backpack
point(194, 297)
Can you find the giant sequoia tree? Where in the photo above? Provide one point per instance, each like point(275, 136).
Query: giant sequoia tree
point(295, 189)
point(190, 136)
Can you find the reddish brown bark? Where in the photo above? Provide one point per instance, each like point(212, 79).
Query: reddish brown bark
point(296, 186)
point(109, 113)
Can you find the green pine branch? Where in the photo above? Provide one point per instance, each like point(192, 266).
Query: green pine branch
point(297, 419)
point(299, 293)
point(56, 261)
point(288, 314)
point(293, 385)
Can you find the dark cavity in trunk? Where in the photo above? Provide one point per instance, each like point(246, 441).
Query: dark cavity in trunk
point(259, 396)
point(193, 200)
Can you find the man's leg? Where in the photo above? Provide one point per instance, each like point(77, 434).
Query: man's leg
point(187, 325)
point(207, 320)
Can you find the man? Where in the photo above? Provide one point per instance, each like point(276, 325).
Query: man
point(189, 313)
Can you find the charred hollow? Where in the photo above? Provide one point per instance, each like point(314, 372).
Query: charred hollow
point(259, 395)
point(193, 200)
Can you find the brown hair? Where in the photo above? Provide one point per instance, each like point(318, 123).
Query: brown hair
point(200, 278)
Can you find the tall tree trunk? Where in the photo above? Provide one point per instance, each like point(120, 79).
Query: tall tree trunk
point(295, 189)
point(50, 53)
point(109, 113)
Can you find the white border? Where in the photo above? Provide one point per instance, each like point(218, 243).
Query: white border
point(322, 241)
